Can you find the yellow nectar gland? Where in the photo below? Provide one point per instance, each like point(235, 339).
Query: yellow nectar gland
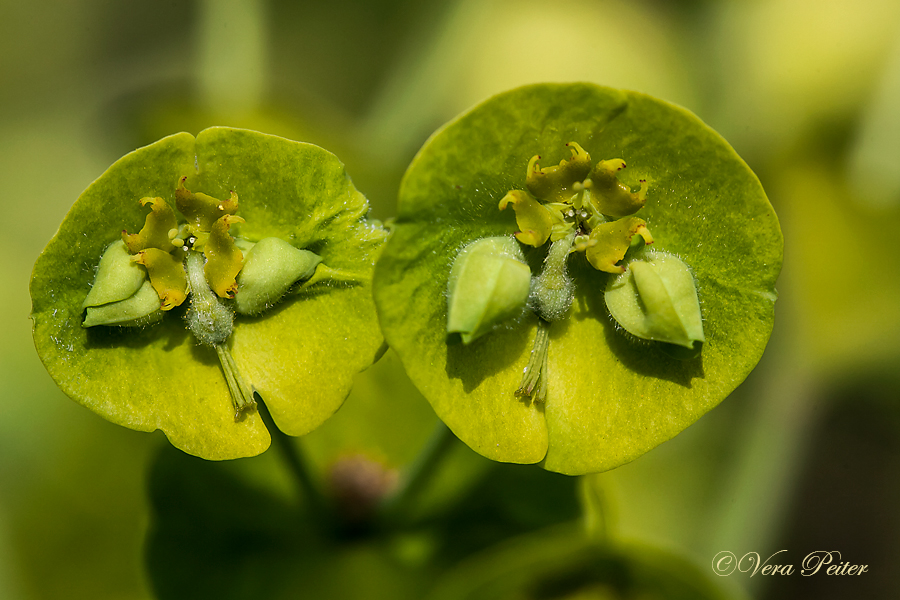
point(579, 209)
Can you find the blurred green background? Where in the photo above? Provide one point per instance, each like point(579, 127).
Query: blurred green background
point(804, 456)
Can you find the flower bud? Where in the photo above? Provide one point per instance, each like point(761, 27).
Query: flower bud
point(141, 308)
point(656, 299)
point(117, 277)
point(271, 267)
point(489, 283)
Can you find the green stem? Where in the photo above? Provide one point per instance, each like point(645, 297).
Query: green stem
point(212, 322)
point(419, 473)
point(595, 508)
point(296, 464)
point(553, 290)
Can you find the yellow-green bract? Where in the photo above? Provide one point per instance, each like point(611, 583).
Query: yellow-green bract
point(609, 397)
point(300, 357)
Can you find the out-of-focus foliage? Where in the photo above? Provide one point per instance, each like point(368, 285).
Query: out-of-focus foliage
point(803, 90)
point(562, 564)
point(847, 325)
point(241, 529)
point(790, 69)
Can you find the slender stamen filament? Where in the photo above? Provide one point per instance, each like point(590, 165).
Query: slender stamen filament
point(241, 394)
point(534, 378)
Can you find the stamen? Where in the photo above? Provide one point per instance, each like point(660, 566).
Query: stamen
point(534, 377)
point(241, 395)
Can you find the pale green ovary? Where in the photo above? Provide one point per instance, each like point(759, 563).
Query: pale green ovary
point(209, 320)
point(553, 288)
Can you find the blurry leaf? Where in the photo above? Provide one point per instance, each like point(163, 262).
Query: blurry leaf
point(561, 564)
point(385, 417)
point(386, 421)
point(300, 356)
point(509, 500)
point(603, 36)
point(876, 152)
point(216, 533)
point(610, 398)
point(79, 488)
point(857, 447)
point(467, 502)
point(479, 52)
point(237, 529)
point(790, 84)
point(843, 326)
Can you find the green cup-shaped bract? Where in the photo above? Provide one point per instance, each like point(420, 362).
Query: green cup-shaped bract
point(141, 308)
point(118, 277)
point(300, 359)
point(656, 299)
point(608, 400)
point(489, 284)
point(271, 267)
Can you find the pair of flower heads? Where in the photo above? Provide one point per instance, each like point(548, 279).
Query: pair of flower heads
point(576, 207)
